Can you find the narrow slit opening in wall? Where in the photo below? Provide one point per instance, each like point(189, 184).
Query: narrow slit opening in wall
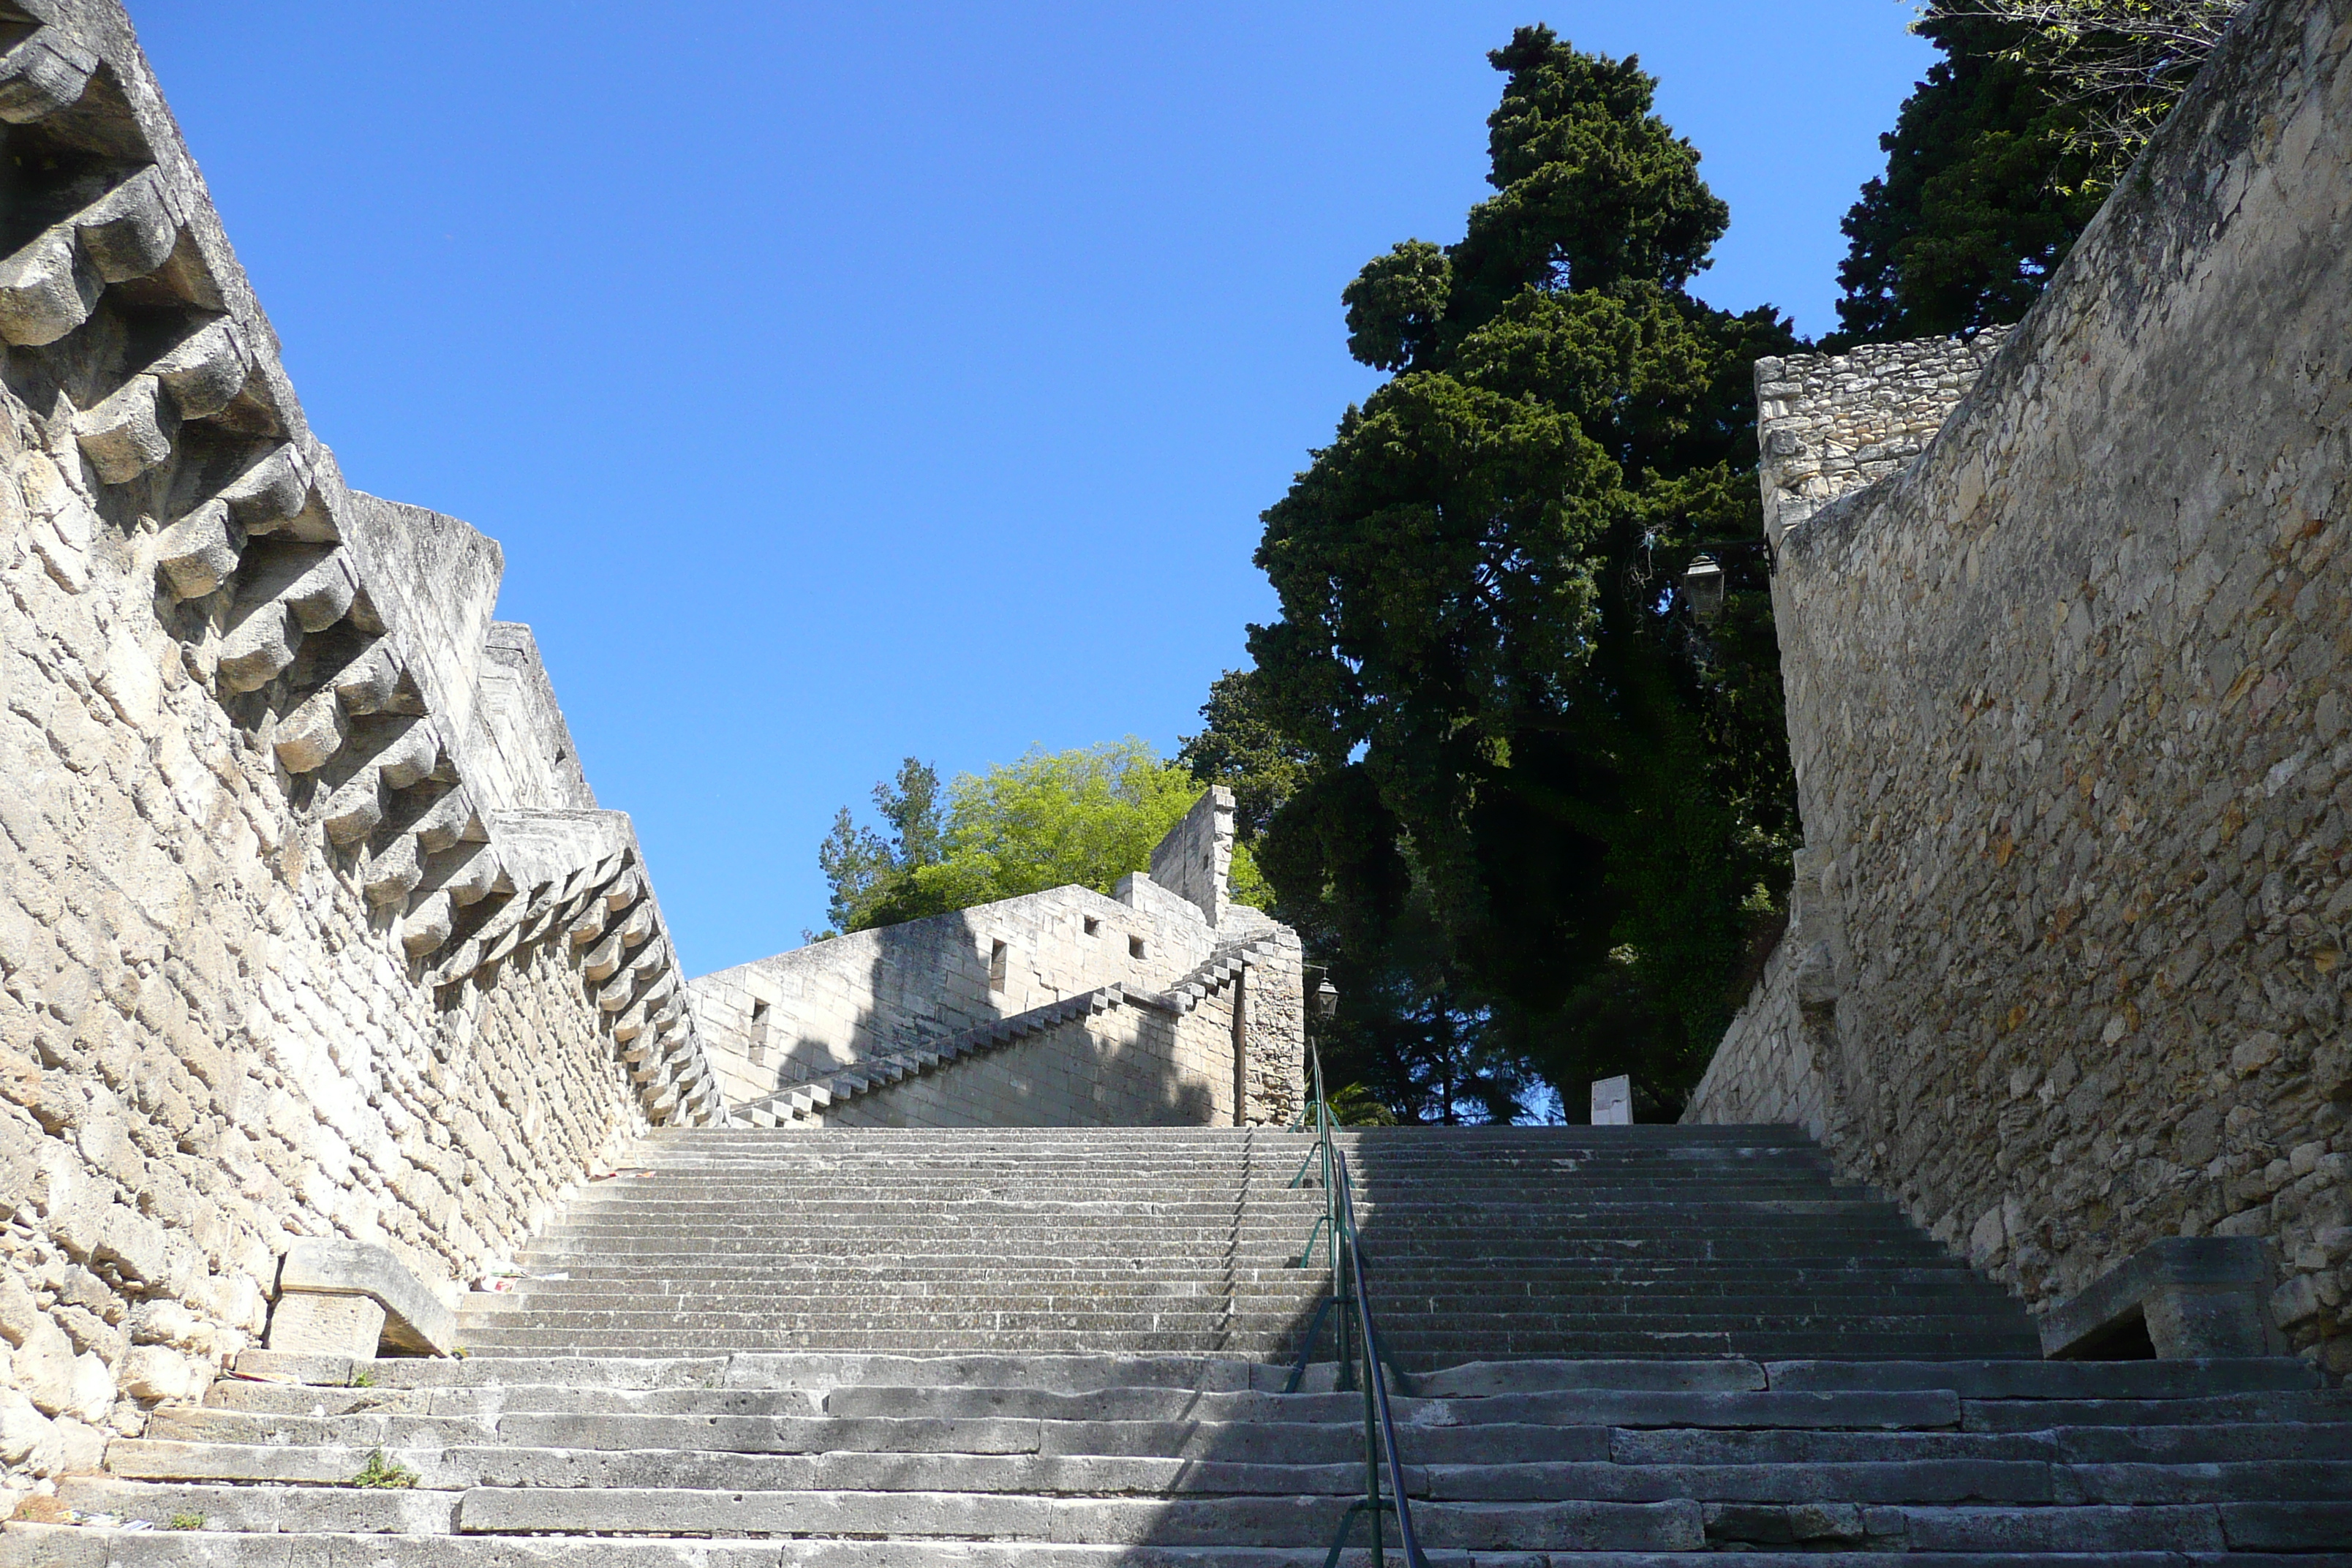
point(1093, 926)
point(996, 966)
point(1135, 947)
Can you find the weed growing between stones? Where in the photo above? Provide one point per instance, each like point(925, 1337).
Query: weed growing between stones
point(384, 1475)
point(186, 1521)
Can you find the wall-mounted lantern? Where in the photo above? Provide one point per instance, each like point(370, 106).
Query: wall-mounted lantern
point(1703, 585)
point(1327, 999)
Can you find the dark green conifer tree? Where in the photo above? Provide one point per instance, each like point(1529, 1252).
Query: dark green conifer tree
point(1986, 188)
point(1540, 802)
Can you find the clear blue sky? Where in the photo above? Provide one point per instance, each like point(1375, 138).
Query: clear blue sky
point(847, 381)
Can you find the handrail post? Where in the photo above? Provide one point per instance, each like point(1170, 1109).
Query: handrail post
point(1371, 1447)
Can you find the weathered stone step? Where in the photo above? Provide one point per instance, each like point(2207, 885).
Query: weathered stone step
point(1676, 1526)
point(1680, 1524)
point(1281, 1281)
point(285, 1509)
point(178, 1447)
point(2027, 1416)
point(673, 1453)
point(56, 1546)
point(562, 1305)
point(1146, 1238)
point(1480, 1139)
point(1428, 1353)
point(1067, 1372)
point(1150, 1254)
point(674, 1460)
point(1611, 1190)
point(555, 1308)
point(2003, 1378)
point(493, 1342)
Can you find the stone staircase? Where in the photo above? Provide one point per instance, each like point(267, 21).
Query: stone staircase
point(1485, 1243)
point(1052, 1350)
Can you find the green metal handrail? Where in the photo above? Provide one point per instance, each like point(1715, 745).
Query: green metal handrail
point(1352, 1296)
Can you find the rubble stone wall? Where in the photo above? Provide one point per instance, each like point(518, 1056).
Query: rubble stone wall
point(2067, 703)
point(1767, 1067)
point(1829, 424)
point(308, 923)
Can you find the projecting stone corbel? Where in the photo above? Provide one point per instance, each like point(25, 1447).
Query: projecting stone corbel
point(2185, 1297)
point(345, 1297)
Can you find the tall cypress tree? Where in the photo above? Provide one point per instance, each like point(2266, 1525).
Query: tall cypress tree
point(1544, 801)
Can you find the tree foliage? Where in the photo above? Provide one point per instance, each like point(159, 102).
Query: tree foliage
point(1240, 747)
point(2119, 64)
point(1086, 816)
point(862, 868)
point(1501, 748)
point(2001, 155)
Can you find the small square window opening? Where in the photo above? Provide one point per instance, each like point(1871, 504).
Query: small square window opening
point(1135, 947)
point(1093, 926)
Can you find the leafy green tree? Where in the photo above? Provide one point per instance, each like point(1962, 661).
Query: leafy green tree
point(1519, 751)
point(1087, 816)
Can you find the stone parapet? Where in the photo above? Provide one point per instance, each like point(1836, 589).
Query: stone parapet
point(1829, 424)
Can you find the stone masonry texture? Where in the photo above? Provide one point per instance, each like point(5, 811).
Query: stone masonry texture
point(2067, 698)
point(309, 924)
point(1829, 424)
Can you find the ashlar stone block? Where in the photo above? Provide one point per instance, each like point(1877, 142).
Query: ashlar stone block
point(315, 1324)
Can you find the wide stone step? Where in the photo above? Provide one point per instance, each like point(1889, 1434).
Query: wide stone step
point(1707, 1274)
point(1659, 1214)
point(1935, 1293)
point(493, 1341)
point(674, 1462)
point(765, 1455)
point(51, 1544)
point(2027, 1416)
point(1679, 1524)
point(1913, 1478)
point(1676, 1526)
point(554, 1307)
point(805, 1378)
point(1610, 1194)
point(1304, 1521)
point(488, 1344)
point(1015, 1307)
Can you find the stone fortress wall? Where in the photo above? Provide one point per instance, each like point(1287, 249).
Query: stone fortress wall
point(309, 924)
point(812, 1015)
point(2067, 700)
